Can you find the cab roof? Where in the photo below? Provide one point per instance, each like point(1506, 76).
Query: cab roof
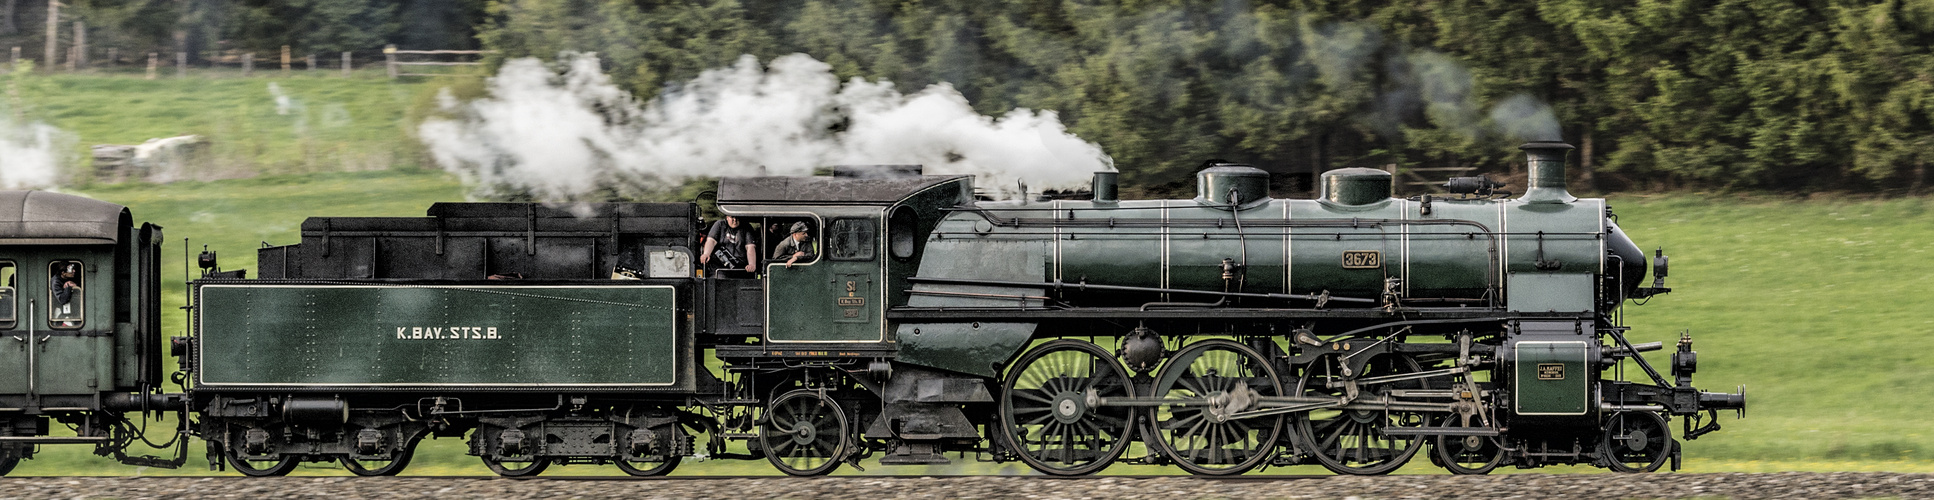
point(44, 218)
point(827, 190)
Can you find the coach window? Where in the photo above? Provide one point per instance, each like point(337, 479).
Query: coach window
point(9, 294)
point(66, 294)
point(851, 239)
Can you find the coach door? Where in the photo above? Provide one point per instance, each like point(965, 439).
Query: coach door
point(14, 338)
point(835, 298)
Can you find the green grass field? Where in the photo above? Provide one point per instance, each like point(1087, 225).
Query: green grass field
point(1816, 306)
point(324, 123)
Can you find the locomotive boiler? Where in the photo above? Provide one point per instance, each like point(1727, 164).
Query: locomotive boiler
point(1227, 332)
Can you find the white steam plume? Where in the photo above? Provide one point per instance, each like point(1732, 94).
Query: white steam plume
point(30, 154)
point(560, 136)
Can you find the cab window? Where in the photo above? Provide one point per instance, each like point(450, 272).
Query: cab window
point(9, 294)
point(851, 239)
point(788, 237)
point(66, 294)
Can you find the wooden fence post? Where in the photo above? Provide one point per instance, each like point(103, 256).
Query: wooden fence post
point(346, 64)
point(311, 62)
point(248, 64)
point(389, 55)
point(15, 62)
point(154, 63)
point(285, 60)
point(53, 35)
point(181, 65)
point(113, 56)
point(80, 45)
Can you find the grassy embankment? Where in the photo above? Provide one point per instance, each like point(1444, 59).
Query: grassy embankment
point(1816, 306)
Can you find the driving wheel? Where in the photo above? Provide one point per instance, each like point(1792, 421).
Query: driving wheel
point(1204, 390)
point(1352, 440)
point(1048, 417)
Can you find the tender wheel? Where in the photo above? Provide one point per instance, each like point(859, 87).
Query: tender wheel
point(239, 461)
point(1351, 441)
point(260, 468)
point(1046, 413)
point(1204, 388)
point(1466, 454)
point(506, 468)
point(805, 434)
point(649, 468)
point(1636, 442)
point(395, 465)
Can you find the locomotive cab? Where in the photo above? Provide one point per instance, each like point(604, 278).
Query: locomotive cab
point(862, 223)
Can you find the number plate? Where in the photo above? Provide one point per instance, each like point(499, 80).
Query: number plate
point(1551, 371)
point(852, 301)
point(1362, 259)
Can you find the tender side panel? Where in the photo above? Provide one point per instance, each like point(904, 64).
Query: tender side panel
point(425, 336)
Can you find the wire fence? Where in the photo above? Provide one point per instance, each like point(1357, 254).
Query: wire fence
point(392, 61)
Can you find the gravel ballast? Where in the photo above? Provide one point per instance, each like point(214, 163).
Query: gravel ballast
point(1586, 486)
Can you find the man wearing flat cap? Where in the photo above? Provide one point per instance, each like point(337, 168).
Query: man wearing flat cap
point(796, 247)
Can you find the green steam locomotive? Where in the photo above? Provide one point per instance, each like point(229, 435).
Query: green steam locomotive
point(906, 320)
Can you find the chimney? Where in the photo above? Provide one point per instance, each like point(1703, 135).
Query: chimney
point(1546, 161)
point(1106, 188)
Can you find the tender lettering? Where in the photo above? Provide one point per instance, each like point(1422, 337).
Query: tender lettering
point(450, 333)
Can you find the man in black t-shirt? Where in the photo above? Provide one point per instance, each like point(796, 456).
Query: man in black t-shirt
point(730, 242)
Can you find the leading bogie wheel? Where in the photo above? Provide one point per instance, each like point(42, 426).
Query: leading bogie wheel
point(1351, 440)
point(1205, 389)
point(1636, 441)
point(805, 433)
point(1048, 418)
point(1466, 454)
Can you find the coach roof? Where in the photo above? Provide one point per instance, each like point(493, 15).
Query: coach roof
point(43, 218)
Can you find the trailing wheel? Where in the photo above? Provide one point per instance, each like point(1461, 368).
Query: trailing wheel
point(805, 433)
point(1466, 454)
point(1204, 389)
point(399, 459)
point(1351, 440)
point(1047, 414)
point(1635, 441)
point(525, 467)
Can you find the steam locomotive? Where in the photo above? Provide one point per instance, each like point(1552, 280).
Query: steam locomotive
point(1226, 332)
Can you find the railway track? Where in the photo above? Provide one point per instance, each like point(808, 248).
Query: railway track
point(1584, 486)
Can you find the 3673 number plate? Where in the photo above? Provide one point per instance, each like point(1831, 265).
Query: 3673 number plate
point(1362, 259)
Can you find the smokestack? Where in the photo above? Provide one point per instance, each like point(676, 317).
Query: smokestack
point(1105, 187)
point(1546, 160)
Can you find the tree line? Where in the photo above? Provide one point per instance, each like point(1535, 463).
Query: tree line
point(1793, 95)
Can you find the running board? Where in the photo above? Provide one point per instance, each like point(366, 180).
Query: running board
point(51, 439)
point(1440, 431)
